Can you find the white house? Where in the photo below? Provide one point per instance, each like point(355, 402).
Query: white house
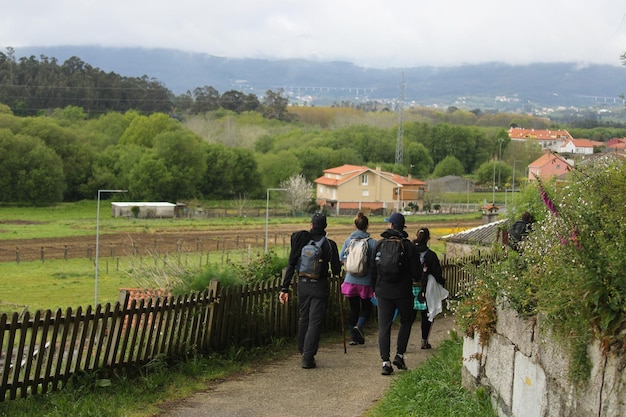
point(578, 146)
point(155, 210)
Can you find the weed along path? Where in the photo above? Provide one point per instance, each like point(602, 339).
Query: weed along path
point(343, 384)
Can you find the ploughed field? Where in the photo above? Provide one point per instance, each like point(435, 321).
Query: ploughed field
point(177, 240)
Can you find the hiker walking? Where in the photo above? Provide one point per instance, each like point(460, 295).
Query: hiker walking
point(356, 254)
point(311, 256)
point(430, 292)
point(394, 268)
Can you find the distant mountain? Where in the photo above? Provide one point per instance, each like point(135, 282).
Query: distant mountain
point(485, 86)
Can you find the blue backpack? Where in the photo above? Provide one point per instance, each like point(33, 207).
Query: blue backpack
point(311, 261)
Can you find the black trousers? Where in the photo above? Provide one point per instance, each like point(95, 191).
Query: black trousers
point(386, 310)
point(312, 304)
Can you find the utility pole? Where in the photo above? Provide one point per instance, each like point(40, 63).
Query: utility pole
point(400, 135)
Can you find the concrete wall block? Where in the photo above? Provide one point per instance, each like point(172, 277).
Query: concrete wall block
point(518, 330)
point(614, 388)
point(549, 354)
point(499, 363)
point(473, 358)
point(529, 388)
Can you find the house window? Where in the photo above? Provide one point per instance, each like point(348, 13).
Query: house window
point(364, 179)
point(366, 193)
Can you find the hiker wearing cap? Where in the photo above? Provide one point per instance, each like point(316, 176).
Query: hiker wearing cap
point(313, 258)
point(394, 269)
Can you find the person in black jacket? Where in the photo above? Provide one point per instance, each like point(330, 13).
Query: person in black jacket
point(394, 292)
point(518, 232)
point(312, 293)
point(430, 266)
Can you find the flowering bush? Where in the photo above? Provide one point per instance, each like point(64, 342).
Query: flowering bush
point(572, 267)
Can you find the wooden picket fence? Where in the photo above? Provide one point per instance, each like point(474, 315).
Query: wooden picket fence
point(41, 352)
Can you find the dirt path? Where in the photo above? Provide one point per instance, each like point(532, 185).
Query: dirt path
point(343, 384)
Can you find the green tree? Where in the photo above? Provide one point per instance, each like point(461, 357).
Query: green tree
point(205, 99)
point(184, 157)
point(275, 106)
point(276, 168)
point(76, 156)
point(418, 159)
point(449, 166)
point(30, 171)
point(150, 179)
point(143, 129)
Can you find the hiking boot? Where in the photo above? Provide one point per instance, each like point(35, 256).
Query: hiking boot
point(399, 362)
point(387, 369)
point(353, 342)
point(309, 364)
point(358, 335)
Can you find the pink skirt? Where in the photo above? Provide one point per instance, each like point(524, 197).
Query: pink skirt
point(365, 292)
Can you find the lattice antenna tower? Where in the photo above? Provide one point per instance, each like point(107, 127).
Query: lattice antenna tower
point(400, 135)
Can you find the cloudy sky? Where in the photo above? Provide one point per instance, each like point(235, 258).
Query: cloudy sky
point(370, 33)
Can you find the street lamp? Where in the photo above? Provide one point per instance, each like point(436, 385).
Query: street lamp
point(98, 238)
point(499, 159)
point(514, 162)
point(267, 211)
point(493, 188)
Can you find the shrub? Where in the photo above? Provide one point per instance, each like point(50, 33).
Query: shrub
point(571, 268)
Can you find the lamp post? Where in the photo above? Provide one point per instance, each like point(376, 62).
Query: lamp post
point(513, 195)
point(98, 239)
point(267, 211)
point(499, 159)
point(493, 188)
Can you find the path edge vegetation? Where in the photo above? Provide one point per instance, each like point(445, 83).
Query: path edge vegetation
point(570, 273)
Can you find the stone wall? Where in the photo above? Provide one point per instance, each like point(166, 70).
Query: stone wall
point(526, 372)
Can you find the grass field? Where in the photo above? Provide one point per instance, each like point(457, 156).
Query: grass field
point(54, 284)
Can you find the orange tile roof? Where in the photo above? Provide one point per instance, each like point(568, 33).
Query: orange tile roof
point(586, 143)
point(541, 134)
point(347, 172)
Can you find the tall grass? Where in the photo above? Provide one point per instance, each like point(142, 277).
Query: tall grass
point(434, 389)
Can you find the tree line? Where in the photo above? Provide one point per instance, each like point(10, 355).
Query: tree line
point(30, 86)
point(232, 148)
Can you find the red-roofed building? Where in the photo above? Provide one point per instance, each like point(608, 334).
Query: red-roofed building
point(547, 166)
point(616, 145)
point(546, 138)
point(579, 146)
point(350, 188)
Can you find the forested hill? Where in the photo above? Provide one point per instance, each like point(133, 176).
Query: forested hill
point(494, 85)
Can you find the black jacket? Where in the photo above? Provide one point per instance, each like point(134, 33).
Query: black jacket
point(330, 255)
point(402, 288)
point(431, 266)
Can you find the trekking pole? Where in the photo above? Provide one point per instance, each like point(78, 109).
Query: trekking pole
point(343, 327)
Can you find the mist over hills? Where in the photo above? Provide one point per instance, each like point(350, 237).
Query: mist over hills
point(490, 86)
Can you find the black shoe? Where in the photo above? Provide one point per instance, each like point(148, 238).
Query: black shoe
point(399, 362)
point(358, 335)
point(387, 369)
point(426, 345)
point(353, 342)
point(309, 365)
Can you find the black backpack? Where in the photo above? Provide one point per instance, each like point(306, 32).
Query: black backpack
point(517, 232)
point(311, 261)
point(391, 258)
